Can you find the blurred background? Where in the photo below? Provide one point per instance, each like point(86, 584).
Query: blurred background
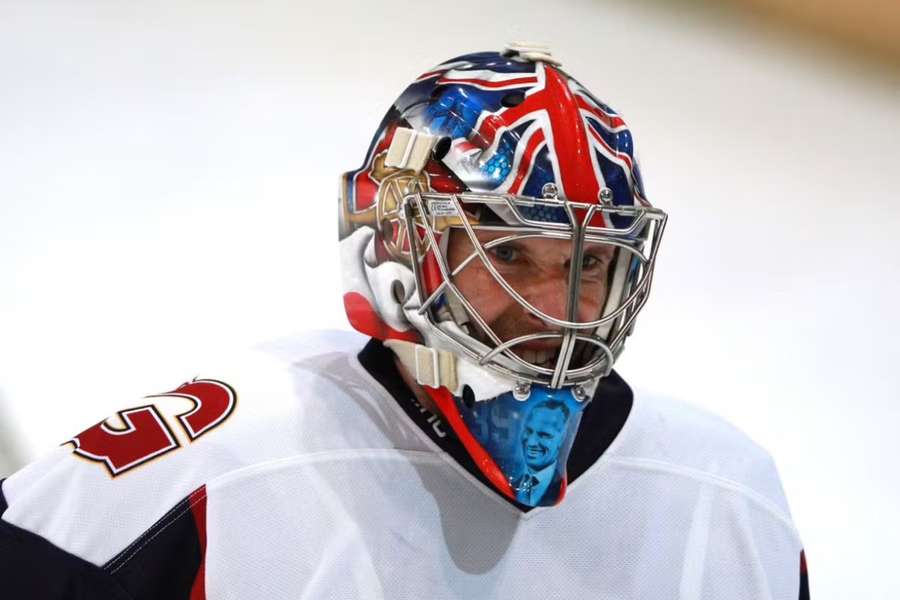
point(168, 183)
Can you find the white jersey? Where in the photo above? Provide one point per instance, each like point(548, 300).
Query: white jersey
point(295, 474)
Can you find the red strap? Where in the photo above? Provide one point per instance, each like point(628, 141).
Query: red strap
point(444, 400)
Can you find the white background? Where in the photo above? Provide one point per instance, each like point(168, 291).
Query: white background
point(168, 182)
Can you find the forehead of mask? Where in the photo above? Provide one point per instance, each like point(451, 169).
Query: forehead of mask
point(538, 268)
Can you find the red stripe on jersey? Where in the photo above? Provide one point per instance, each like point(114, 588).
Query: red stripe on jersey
point(197, 502)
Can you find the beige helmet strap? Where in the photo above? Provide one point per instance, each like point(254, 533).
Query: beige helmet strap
point(410, 149)
point(434, 368)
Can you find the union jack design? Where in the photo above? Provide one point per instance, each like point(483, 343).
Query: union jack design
point(514, 126)
point(499, 144)
point(526, 129)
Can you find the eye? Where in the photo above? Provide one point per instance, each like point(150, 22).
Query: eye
point(590, 262)
point(506, 254)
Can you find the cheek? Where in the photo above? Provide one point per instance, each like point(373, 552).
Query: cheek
point(483, 292)
point(591, 300)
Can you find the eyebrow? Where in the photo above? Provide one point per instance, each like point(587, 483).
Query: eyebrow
point(595, 248)
point(601, 248)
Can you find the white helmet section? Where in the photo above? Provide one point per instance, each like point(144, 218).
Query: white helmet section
point(390, 289)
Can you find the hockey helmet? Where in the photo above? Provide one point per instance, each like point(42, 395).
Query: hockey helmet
point(495, 150)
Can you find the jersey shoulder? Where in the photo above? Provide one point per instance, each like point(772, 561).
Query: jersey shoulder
point(685, 438)
point(118, 479)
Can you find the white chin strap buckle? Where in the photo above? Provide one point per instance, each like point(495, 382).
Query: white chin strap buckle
point(428, 368)
point(441, 368)
point(433, 368)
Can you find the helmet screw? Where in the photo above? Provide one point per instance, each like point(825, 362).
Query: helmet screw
point(606, 196)
point(579, 393)
point(550, 190)
point(522, 391)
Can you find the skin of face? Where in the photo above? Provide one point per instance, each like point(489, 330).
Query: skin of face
point(542, 437)
point(538, 269)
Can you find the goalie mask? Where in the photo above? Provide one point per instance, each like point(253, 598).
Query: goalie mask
point(497, 238)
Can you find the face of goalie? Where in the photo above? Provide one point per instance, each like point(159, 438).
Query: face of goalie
point(538, 269)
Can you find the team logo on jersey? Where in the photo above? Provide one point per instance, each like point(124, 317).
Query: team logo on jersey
point(140, 434)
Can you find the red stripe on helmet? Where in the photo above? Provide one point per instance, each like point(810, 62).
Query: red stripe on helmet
point(364, 319)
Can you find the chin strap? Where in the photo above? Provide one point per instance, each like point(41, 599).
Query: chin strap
point(441, 374)
point(483, 460)
point(433, 368)
point(436, 368)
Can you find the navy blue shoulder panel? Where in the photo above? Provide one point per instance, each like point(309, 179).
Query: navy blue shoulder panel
point(33, 568)
point(3, 503)
point(164, 561)
point(804, 577)
point(161, 563)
